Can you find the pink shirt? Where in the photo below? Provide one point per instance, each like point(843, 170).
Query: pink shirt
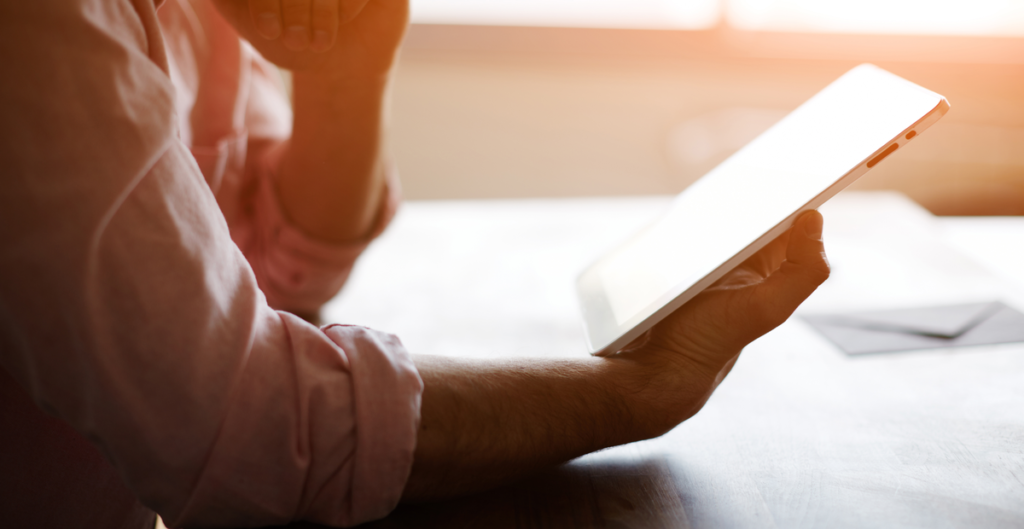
point(143, 254)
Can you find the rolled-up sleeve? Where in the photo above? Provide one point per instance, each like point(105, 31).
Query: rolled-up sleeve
point(127, 310)
point(349, 448)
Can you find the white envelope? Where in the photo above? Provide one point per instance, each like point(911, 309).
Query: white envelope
point(921, 328)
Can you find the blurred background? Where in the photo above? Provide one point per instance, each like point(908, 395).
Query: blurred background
point(552, 98)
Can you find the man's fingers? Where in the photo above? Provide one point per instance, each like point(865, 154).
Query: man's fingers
point(296, 14)
point(325, 24)
point(757, 267)
point(804, 269)
point(305, 24)
point(266, 16)
point(806, 248)
point(768, 259)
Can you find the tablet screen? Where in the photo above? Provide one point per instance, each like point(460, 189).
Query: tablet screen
point(760, 187)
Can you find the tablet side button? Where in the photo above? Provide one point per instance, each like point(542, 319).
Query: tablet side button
point(889, 150)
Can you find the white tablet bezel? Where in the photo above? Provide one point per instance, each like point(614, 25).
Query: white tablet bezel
point(605, 336)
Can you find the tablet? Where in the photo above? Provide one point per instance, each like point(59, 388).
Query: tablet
point(751, 198)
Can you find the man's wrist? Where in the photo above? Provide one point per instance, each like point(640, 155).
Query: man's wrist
point(354, 76)
point(334, 84)
point(660, 390)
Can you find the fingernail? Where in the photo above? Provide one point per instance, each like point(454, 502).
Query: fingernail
point(321, 40)
point(296, 38)
point(812, 224)
point(269, 25)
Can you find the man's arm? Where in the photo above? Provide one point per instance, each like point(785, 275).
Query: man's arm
point(485, 423)
point(330, 177)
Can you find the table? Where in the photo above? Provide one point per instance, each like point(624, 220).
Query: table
point(799, 435)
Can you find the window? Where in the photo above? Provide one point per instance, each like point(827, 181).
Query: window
point(916, 17)
point(934, 17)
point(654, 14)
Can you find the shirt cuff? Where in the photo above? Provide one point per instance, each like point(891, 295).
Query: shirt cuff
point(300, 273)
point(387, 390)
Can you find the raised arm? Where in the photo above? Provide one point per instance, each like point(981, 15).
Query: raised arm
point(330, 177)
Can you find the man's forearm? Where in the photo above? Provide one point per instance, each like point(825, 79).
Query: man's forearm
point(486, 423)
point(330, 177)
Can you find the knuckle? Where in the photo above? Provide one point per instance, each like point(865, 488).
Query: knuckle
point(816, 271)
point(825, 271)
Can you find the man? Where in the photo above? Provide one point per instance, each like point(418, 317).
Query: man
point(160, 202)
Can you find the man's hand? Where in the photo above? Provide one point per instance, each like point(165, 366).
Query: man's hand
point(305, 24)
point(485, 423)
point(357, 37)
point(689, 353)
